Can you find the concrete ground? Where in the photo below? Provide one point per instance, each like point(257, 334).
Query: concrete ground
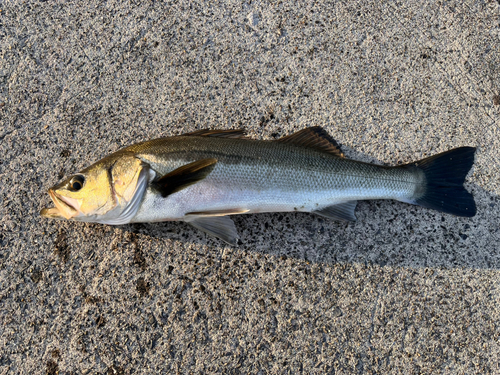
point(403, 290)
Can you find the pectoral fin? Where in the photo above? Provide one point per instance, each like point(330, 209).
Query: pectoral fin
point(341, 211)
point(184, 176)
point(218, 226)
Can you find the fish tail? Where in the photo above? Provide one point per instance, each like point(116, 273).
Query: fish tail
point(444, 178)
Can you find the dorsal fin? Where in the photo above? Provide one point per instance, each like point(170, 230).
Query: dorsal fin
point(184, 176)
point(314, 137)
point(222, 133)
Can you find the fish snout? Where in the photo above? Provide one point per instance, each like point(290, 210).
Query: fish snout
point(64, 206)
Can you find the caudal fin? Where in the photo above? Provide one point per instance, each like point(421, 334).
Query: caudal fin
point(445, 174)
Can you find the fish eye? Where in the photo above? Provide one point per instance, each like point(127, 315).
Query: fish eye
point(76, 182)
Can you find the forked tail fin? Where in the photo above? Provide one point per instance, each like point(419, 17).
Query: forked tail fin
point(445, 174)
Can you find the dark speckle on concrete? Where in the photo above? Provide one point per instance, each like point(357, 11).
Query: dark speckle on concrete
point(496, 100)
point(65, 153)
point(143, 286)
point(61, 248)
point(100, 321)
point(115, 370)
point(52, 368)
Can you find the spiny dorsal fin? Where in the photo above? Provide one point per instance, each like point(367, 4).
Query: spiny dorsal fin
point(221, 133)
point(184, 176)
point(316, 138)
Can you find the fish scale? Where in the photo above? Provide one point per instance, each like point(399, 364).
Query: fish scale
point(265, 163)
point(265, 176)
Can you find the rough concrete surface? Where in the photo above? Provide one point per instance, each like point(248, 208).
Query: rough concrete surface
point(403, 290)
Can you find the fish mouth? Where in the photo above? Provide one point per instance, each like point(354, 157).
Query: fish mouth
point(63, 208)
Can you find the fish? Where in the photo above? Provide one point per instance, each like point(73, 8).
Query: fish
point(205, 176)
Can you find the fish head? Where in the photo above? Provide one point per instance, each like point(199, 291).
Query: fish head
point(109, 192)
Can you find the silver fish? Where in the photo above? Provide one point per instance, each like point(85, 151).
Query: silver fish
point(204, 177)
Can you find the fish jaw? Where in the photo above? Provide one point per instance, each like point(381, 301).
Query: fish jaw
point(52, 213)
point(65, 208)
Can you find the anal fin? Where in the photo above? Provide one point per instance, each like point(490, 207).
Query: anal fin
point(218, 226)
point(341, 211)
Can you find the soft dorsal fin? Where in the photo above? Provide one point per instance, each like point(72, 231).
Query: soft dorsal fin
point(221, 133)
point(314, 137)
point(184, 176)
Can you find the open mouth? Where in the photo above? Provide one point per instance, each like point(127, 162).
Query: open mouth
point(62, 209)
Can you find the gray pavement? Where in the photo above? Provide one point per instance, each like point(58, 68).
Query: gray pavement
point(404, 290)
